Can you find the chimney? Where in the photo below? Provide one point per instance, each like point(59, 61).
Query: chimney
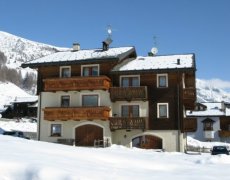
point(178, 61)
point(76, 46)
point(106, 43)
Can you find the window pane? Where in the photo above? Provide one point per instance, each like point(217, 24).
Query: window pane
point(55, 129)
point(162, 81)
point(90, 71)
point(135, 81)
point(65, 101)
point(125, 111)
point(125, 82)
point(95, 71)
point(65, 72)
point(135, 111)
point(90, 100)
point(163, 111)
point(85, 71)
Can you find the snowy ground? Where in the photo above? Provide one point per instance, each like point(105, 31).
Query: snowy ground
point(22, 159)
point(23, 125)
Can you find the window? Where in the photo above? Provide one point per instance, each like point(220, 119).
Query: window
point(208, 124)
point(89, 100)
point(162, 110)
point(65, 71)
point(162, 80)
point(65, 101)
point(91, 70)
point(55, 129)
point(130, 111)
point(130, 81)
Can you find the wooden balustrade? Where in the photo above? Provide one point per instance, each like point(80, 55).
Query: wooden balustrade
point(77, 83)
point(189, 98)
point(224, 133)
point(189, 93)
point(76, 113)
point(128, 93)
point(127, 123)
point(190, 124)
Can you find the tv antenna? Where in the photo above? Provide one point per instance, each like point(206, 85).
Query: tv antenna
point(109, 31)
point(154, 50)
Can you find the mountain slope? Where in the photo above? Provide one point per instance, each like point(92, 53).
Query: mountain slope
point(18, 50)
point(207, 92)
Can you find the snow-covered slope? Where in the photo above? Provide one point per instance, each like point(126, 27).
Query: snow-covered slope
point(10, 92)
point(26, 159)
point(19, 50)
point(209, 92)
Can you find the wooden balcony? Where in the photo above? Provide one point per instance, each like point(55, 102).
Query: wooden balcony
point(127, 123)
point(77, 83)
point(189, 98)
point(224, 133)
point(128, 93)
point(190, 125)
point(76, 113)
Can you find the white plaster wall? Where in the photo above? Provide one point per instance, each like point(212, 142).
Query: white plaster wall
point(49, 99)
point(199, 134)
point(169, 138)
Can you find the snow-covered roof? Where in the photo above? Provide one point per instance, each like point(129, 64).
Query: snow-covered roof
point(157, 62)
point(213, 109)
point(73, 56)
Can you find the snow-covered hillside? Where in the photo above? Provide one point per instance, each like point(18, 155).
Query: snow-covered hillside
point(10, 93)
point(209, 92)
point(19, 50)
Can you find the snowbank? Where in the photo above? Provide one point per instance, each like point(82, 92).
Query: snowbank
point(53, 161)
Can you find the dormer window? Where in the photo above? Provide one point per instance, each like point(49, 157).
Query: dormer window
point(65, 71)
point(90, 70)
point(162, 80)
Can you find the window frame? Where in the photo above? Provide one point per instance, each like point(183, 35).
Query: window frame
point(158, 110)
point(82, 100)
point(90, 66)
point(130, 76)
point(61, 100)
point(158, 80)
point(57, 134)
point(130, 110)
point(61, 69)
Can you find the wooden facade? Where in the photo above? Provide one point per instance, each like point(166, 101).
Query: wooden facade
point(175, 94)
point(126, 100)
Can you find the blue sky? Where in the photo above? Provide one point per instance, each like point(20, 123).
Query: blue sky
point(181, 26)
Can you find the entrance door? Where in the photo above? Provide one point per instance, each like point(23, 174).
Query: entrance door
point(147, 142)
point(86, 134)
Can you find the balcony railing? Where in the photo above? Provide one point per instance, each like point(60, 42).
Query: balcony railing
point(190, 124)
point(76, 113)
point(127, 123)
point(189, 97)
point(224, 133)
point(128, 93)
point(189, 93)
point(77, 83)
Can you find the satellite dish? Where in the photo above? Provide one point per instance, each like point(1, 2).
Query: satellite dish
point(154, 50)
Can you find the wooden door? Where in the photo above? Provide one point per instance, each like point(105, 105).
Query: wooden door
point(147, 142)
point(86, 134)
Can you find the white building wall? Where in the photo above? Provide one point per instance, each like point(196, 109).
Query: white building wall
point(199, 134)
